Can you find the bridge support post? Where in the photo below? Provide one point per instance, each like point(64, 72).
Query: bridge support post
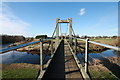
point(41, 52)
point(70, 31)
point(57, 33)
point(51, 47)
point(86, 55)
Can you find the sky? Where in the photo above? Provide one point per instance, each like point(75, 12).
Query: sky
point(34, 18)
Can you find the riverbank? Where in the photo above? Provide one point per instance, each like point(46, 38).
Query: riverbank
point(20, 71)
point(35, 48)
point(22, 42)
point(106, 68)
point(97, 70)
point(112, 42)
point(96, 48)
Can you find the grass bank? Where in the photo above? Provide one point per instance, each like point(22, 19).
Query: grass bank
point(20, 71)
point(98, 75)
point(105, 69)
point(95, 48)
point(113, 42)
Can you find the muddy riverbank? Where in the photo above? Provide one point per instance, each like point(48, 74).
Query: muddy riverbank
point(96, 48)
point(111, 65)
point(35, 48)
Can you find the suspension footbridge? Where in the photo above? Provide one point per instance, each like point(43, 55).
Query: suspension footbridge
point(63, 63)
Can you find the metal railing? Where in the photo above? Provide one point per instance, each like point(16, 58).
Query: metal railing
point(42, 71)
point(27, 44)
point(20, 46)
point(105, 45)
point(87, 47)
point(82, 70)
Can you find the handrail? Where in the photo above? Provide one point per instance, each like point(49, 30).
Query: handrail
point(105, 45)
point(19, 46)
point(82, 70)
point(47, 64)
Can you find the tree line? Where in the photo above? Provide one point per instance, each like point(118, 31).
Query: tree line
point(96, 37)
point(11, 38)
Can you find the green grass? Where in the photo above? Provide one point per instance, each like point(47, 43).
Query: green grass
point(0, 74)
point(101, 74)
point(20, 73)
point(102, 39)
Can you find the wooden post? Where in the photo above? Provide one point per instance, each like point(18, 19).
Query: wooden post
point(41, 52)
point(70, 31)
point(51, 47)
point(75, 45)
point(70, 28)
point(86, 55)
point(65, 35)
point(57, 33)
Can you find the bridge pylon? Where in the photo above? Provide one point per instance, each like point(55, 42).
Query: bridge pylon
point(69, 20)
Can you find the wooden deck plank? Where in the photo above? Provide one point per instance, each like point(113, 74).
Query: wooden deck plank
point(63, 65)
point(71, 69)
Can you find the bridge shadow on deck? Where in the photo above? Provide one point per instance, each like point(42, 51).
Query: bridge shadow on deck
point(68, 72)
point(56, 69)
point(72, 71)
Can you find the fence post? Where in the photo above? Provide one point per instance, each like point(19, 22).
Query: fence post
point(41, 52)
point(75, 45)
point(86, 55)
point(51, 47)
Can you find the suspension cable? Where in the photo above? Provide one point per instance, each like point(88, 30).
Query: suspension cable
point(60, 29)
point(67, 29)
point(73, 31)
point(54, 32)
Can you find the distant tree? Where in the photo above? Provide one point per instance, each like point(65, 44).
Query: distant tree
point(77, 36)
point(84, 36)
point(41, 37)
point(11, 38)
point(105, 36)
point(114, 37)
point(99, 36)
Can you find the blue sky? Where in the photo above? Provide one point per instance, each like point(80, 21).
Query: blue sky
point(32, 18)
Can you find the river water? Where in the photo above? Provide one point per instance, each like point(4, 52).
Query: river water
point(100, 55)
point(19, 57)
point(24, 57)
point(5, 45)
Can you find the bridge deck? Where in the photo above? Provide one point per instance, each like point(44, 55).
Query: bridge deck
point(71, 69)
point(62, 65)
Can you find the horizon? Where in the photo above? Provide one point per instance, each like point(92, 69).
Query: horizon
point(39, 18)
point(61, 35)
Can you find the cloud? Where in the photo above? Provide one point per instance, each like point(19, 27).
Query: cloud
point(82, 11)
point(10, 23)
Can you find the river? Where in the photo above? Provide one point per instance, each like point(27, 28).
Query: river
point(24, 57)
point(100, 55)
point(5, 45)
